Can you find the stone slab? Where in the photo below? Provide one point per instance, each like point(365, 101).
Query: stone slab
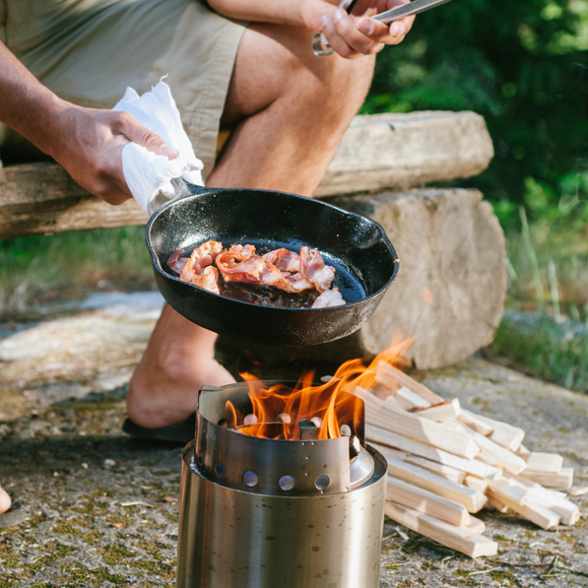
point(449, 294)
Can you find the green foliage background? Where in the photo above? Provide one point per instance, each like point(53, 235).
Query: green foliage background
point(523, 65)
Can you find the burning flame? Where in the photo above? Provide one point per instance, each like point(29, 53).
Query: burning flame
point(277, 410)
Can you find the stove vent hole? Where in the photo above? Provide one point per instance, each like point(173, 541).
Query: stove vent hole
point(249, 420)
point(220, 470)
point(250, 479)
point(322, 482)
point(286, 483)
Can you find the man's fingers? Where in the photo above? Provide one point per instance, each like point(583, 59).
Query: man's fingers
point(137, 133)
point(381, 33)
point(345, 38)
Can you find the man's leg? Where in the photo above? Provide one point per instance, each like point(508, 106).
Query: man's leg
point(289, 110)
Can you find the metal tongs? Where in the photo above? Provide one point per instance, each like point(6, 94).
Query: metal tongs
point(321, 46)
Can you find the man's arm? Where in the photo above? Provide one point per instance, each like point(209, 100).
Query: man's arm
point(350, 36)
point(87, 142)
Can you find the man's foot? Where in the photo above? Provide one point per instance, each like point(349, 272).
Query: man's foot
point(179, 360)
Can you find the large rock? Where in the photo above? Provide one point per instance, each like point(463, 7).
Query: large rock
point(449, 293)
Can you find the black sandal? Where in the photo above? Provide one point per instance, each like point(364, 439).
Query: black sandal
point(180, 433)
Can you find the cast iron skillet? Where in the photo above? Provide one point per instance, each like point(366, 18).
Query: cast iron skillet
point(365, 261)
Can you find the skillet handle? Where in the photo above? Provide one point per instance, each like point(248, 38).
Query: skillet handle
point(195, 189)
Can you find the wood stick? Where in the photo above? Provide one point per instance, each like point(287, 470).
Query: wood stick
point(422, 430)
point(471, 499)
point(496, 503)
point(508, 492)
point(439, 412)
point(470, 466)
point(546, 463)
point(523, 452)
point(471, 420)
point(389, 452)
point(503, 433)
point(476, 525)
point(552, 499)
point(407, 494)
point(409, 399)
point(438, 468)
point(561, 481)
point(402, 379)
point(498, 455)
point(476, 483)
point(532, 510)
point(459, 538)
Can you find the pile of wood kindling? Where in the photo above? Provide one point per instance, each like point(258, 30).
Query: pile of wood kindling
point(445, 463)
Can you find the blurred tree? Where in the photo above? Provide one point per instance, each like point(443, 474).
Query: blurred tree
point(524, 67)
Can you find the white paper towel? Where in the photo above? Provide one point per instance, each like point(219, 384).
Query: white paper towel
point(147, 174)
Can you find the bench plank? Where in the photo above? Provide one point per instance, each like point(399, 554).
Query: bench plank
point(385, 150)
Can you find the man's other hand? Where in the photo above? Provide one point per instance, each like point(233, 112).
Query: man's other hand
point(356, 34)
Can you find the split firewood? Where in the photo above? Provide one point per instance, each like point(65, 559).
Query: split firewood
point(523, 452)
point(398, 378)
point(503, 433)
point(471, 420)
point(476, 483)
point(423, 430)
point(546, 463)
point(476, 525)
point(408, 400)
point(427, 502)
point(440, 412)
point(552, 499)
point(561, 481)
point(496, 503)
point(540, 515)
point(459, 538)
point(508, 492)
point(390, 439)
point(438, 468)
point(498, 455)
point(473, 500)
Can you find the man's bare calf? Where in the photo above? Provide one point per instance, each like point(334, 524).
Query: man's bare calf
point(289, 110)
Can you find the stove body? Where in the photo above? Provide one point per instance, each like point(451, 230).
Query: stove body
point(267, 513)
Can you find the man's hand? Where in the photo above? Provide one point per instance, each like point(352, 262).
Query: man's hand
point(90, 148)
point(356, 34)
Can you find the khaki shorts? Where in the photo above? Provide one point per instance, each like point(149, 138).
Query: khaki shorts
point(89, 51)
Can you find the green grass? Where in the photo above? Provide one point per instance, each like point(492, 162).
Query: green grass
point(548, 283)
point(45, 269)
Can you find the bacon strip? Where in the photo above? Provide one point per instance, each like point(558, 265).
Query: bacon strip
point(329, 298)
point(175, 263)
point(198, 269)
point(313, 268)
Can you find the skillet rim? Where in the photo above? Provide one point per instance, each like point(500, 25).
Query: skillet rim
point(202, 191)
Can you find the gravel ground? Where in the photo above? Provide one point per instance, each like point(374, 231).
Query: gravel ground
point(103, 508)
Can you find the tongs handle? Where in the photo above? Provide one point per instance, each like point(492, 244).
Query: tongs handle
point(321, 47)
